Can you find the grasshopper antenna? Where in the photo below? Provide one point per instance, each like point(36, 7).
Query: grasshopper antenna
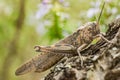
point(101, 13)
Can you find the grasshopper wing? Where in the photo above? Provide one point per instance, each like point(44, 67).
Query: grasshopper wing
point(39, 63)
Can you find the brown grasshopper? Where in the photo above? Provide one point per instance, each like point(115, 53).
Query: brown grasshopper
point(73, 44)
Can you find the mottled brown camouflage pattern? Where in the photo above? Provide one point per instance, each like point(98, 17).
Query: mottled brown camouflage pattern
point(52, 54)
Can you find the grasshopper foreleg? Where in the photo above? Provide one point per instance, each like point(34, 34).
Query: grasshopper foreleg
point(79, 50)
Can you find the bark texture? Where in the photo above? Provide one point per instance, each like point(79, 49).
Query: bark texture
point(101, 60)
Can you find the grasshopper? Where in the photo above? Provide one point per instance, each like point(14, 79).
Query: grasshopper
point(73, 44)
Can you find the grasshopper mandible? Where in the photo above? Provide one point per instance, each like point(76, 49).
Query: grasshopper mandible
point(72, 44)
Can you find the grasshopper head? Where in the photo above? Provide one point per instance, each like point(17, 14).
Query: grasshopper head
point(88, 31)
point(93, 27)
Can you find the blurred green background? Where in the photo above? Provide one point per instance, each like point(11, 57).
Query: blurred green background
point(26, 23)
